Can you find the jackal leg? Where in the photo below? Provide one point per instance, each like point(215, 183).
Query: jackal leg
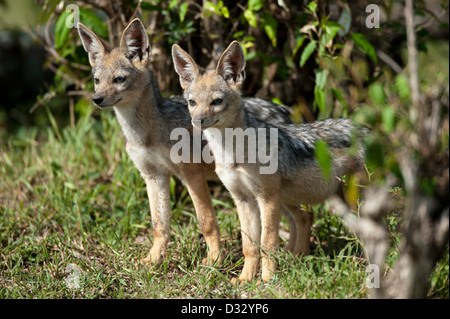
point(270, 218)
point(198, 190)
point(249, 218)
point(158, 191)
point(302, 222)
point(292, 228)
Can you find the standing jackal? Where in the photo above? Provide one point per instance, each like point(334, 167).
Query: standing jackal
point(124, 82)
point(216, 107)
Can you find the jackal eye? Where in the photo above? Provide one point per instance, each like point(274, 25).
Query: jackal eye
point(96, 80)
point(192, 103)
point(217, 102)
point(119, 79)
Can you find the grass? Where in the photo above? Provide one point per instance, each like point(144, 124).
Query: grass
point(72, 203)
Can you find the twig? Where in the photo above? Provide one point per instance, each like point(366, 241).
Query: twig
point(389, 61)
point(412, 59)
point(72, 112)
point(45, 99)
point(77, 82)
point(50, 49)
point(138, 8)
point(78, 93)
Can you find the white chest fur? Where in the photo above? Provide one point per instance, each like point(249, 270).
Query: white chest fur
point(234, 176)
point(150, 161)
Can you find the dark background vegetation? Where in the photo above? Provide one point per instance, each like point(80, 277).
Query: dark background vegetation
point(271, 34)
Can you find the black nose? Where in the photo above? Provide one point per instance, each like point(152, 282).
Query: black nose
point(98, 100)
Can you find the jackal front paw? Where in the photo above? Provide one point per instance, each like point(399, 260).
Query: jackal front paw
point(154, 258)
point(214, 259)
point(240, 280)
point(149, 262)
point(266, 277)
point(247, 275)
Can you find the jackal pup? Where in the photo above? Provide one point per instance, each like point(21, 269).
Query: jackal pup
point(215, 105)
point(124, 82)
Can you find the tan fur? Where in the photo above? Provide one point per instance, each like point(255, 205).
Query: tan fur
point(146, 133)
point(259, 198)
point(147, 120)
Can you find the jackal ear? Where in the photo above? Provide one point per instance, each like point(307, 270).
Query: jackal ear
point(134, 42)
point(93, 45)
point(185, 66)
point(231, 64)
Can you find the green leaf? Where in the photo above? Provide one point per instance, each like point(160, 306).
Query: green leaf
point(183, 10)
point(209, 9)
point(321, 78)
point(270, 26)
point(331, 29)
point(68, 51)
point(361, 41)
point(225, 12)
point(338, 95)
point(376, 92)
point(173, 4)
point(388, 118)
point(150, 7)
point(319, 98)
point(345, 20)
point(402, 85)
point(309, 49)
point(319, 89)
point(94, 22)
point(61, 30)
point(251, 18)
point(255, 5)
point(277, 101)
point(312, 6)
point(218, 9)
point(323, 157)
point(298, 43)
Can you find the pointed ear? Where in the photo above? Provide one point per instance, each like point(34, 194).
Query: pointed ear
point(93, 45)
point(134, 43)
point(231, 64)
point(185, 66)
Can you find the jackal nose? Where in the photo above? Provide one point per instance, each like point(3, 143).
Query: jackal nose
point(97, 100)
